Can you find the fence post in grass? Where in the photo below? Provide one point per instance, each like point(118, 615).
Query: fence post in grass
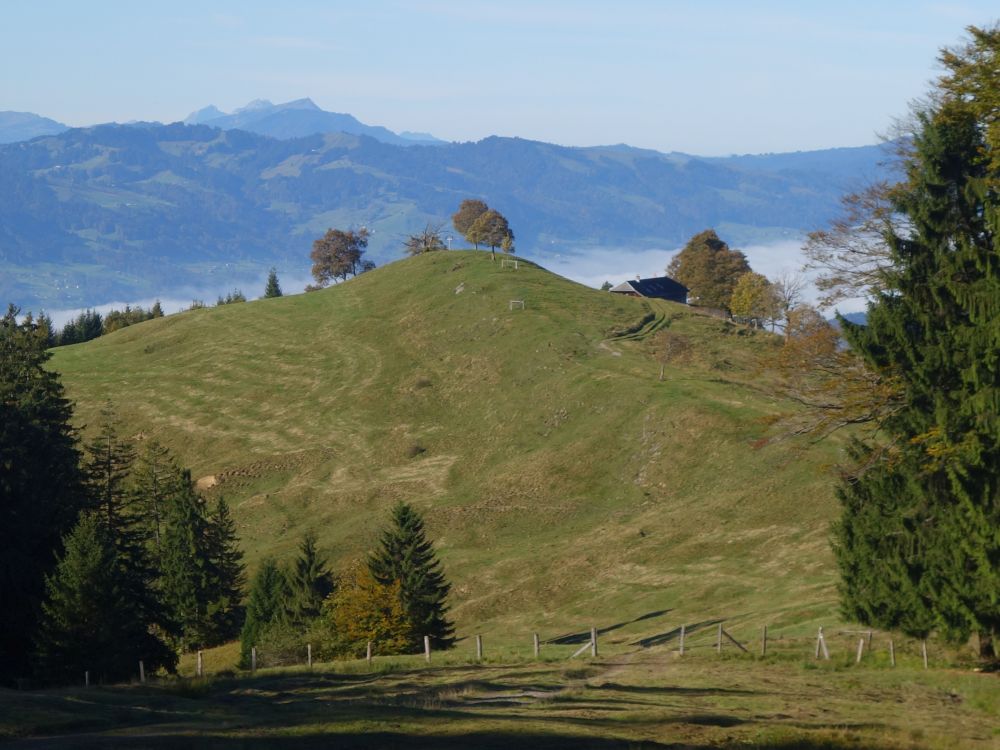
point(200, 669)
point(593, 641)
point(861, 648)
point(253, 659)
point(427, 648)
point(309, 655)
point(763, 642)
point(869, 640)
point(923, 651)
point(892, 653)
point(142, 673)
point(368, 657)
point(718, 640)
point(86, 679)
point(537, 645)
point(479, 648)
point(682, 640)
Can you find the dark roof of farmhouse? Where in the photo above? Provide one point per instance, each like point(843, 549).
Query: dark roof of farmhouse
point(662, 287)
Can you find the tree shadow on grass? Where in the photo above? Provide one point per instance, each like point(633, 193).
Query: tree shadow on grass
point(577, 638)
point(675, 634)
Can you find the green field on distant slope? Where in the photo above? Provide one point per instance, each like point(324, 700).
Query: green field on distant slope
point(563, 483)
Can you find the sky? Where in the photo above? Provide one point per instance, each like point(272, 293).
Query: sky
point(713, 77)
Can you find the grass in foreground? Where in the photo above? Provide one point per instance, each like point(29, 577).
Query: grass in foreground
point(645, 699)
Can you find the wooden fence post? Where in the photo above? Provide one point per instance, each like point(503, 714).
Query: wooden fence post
point(479, 648)
point(718, 640)
point(593, 641)
point(368, 657)
point(253, 659)
point(309, 655)
point(682, 640)
point(537, 645)
point(892, 653)
point(427, 648)
point(763, 643)
point(923, 650)
point(86, 679)
point(142, 673)
point(821, 645)
point(861, 648)
point(200, 669)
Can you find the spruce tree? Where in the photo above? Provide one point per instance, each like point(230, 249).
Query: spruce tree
point(407, 556)
point(272, 289)
point(41, 487)
point(918, 544)
point(228, 575)
point(91, 622)
point(309, 583)
point(186, 576)
point(266, 607)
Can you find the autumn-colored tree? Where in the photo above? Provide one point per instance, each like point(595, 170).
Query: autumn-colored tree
point(469, 210)
point(338, 254)
point(362, 609)
point(754, 300)
point(491, 228)
point(832, 382)
point(429, 240)
point(709, 269)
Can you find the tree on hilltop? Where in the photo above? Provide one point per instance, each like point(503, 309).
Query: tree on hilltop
point(491, 228)
point(272, 288)
point(429, 240)
point(709, 269)
point(469, 210)
point(338, 254)
point(754, 299)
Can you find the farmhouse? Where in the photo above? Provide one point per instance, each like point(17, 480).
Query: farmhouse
point(660, 287)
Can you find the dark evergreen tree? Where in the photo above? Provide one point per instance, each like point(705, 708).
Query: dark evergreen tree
point(407, 556)
point(918, 544)
point(108, 465)
point(266, 607)
point(272, 289)
point(154, 478)
point(41, 487)
point(91, 622)
point(309, 583)
point(157, 310)
point(186, 575)
point(228, 575)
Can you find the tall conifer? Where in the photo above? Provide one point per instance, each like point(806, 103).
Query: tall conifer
point(407, 556)
point(918, 543)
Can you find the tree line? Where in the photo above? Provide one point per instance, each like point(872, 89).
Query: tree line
point(393, 598)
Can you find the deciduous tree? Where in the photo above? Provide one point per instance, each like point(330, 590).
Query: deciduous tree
point(338, 254)
point(491, 228)
point(429, 240)
point(363, 609)
point(754, 299)
point(709, 269)
point(469, 210)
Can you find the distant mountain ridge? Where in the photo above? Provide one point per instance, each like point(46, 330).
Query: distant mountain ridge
point(297, 119)
point(119, 212)
point(23, 126)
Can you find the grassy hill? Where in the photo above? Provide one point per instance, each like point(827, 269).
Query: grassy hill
point(563, 483)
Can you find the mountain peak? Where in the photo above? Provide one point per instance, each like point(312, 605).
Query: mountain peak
point(255, 105)
point(203, 115)
point(306, 103)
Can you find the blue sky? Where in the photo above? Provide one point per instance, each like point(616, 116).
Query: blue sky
point(710, 77)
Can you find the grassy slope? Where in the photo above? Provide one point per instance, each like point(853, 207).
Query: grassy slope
point(562, 482)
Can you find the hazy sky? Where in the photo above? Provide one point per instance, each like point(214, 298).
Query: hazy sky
point(709, 77)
